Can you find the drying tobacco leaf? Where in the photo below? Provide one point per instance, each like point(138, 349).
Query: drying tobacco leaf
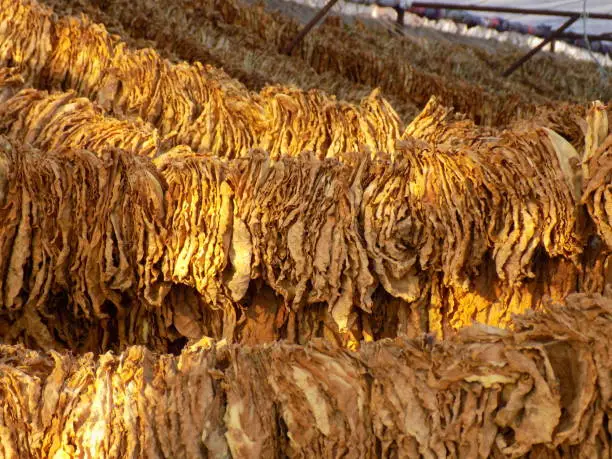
point(56, 121)
point(539, 390)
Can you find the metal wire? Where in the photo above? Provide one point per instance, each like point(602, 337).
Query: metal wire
point(603, 73)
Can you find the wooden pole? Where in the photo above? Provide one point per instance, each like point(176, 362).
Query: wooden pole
point(579, 36)
point(300, 36)
point(544, 42)
point(503, 9)
point(400, 16)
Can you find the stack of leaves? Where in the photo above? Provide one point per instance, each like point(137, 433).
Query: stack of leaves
point(434, 228)
point(302, 218)
point(533, 187)
point(597, 174)
point(540, 390)
point(567, 120)
point(311, 121)
point(79, 227)
point(55, 121)
point(597, 168)
point(192, 32)
point(193, 105)
point(201, 241)
point(441, 127)
point(486, 217)
point(199, 106)
point(443, 228)
point(422, 214)
point(527, 181)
